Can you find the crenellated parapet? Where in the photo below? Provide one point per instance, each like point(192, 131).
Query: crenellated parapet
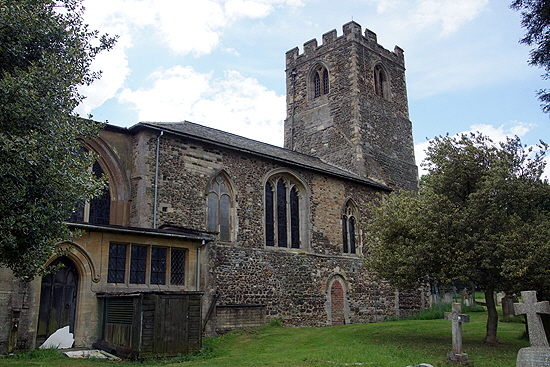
point(352, 32)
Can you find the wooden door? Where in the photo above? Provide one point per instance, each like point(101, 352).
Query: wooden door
point(58, 300)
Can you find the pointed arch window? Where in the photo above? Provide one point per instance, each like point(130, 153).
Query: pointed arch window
point(98, 209)
point(381, 85)
point(320, 81)
point(349, 229)
point(284, 224)
point(219, 207)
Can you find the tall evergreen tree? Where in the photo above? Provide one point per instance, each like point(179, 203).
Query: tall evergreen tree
point(45, 55)
point(536, 21)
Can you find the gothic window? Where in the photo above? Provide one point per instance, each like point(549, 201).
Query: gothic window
point(97, 210)
point(219, 207)
point(349, 229)
point(320, 81)
point(145, 264)
point(284, 201)
point(381, 85)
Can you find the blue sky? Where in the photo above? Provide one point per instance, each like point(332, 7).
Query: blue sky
point(220, 63)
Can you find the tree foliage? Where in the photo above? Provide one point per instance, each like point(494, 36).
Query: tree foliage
point(481, 215)
point(536, 21)
point(45, 55)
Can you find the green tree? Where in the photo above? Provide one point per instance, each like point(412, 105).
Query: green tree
point(45, 54)
point(481, 215)
point(535, 18)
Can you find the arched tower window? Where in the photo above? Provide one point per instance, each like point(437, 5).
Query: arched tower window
point(218, 200)
point(319, 81)
point(349, 226)
point(98, 209)
point(284, 205)
point(381, 85)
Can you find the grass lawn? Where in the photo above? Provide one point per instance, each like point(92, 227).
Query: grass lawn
point(394, 343)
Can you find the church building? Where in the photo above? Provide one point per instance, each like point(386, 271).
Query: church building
point(202, 231)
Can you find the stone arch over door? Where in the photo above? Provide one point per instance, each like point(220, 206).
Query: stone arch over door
point(58, 299)
point(337, 305)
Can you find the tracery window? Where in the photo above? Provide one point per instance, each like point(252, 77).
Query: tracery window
point(381, 85)
point(349, 228)
point(219, 207)
point(98, 209)
point(284, 198)
point(320, 81)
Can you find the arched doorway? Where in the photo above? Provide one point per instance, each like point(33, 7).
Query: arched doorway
point(58, 299)
point(337, 299)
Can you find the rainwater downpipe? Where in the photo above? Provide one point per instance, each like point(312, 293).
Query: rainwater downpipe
point(198, 287)
point(155, 203)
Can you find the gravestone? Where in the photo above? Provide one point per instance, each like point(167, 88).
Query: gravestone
point(457, 319)
point(538, 355)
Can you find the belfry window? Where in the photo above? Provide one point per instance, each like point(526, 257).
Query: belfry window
point(283, 201)
point(320, 81)
point(219, 207)
point(349, 229)
point(381, 85)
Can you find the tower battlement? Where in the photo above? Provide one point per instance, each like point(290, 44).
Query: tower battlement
point(352, 31)
point(347, 104)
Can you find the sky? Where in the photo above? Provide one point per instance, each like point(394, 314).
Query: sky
point(221, 63)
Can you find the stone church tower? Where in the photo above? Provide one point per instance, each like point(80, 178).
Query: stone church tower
point(347, 104)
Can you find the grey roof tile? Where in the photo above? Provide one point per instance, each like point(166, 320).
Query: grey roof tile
point(254, 147)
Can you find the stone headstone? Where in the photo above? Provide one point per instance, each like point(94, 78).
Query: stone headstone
point(538, 355)
point(457, 319)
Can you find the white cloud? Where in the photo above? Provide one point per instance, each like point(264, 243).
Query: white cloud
point(416, 17)
point(233, 102)
point(496, 134)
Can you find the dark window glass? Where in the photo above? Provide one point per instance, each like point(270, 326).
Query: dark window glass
point(212, 202)
point(158, 265)
point(345, 233)
point(138, 264)
point(294, 219)
point(117, 263)
point(78, 214)
point(317, 85)
point(177, 267)
point(269, 223)
point(219, 208)
point(352, 235)
point(325, 82)
point(225, 204)
point(282, 234)
point(100, 207)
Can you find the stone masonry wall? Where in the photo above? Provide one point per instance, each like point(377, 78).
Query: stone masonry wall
point(351, 126)
point(291, 284)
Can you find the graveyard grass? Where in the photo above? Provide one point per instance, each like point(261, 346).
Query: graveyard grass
point(385, 344)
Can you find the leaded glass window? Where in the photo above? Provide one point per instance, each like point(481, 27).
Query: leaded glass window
point(158, 265)
point(138, 264)
point(117, 263)
point(177, 267)
point(219, 207)
point(269, 224)
point(348, 229)
point(282, 213)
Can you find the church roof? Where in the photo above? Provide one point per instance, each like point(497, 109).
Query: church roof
point(254, 147)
